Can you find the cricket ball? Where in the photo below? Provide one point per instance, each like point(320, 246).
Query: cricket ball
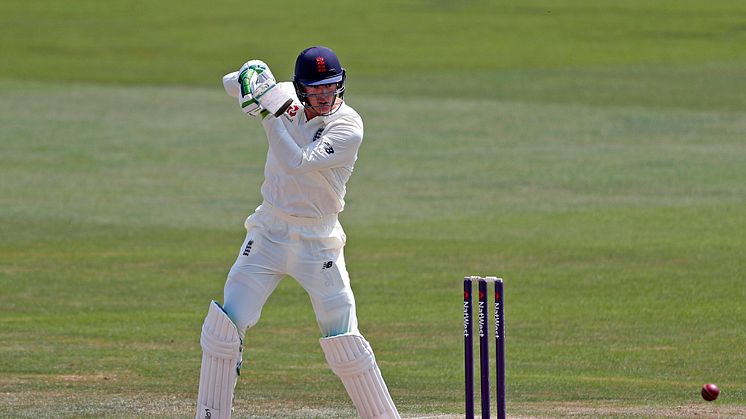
point(710, 392)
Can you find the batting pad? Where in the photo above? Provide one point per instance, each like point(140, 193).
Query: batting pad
point(221, 361)
point(351, 358)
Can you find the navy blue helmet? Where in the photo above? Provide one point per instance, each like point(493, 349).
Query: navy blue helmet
point(316, 66)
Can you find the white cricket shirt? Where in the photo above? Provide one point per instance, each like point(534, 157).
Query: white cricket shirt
point(309, 162)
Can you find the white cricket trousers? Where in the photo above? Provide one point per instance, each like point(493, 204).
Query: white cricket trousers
point(309, 250)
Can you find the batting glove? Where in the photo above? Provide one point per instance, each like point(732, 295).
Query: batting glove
point(248, 77)
point(258, 92)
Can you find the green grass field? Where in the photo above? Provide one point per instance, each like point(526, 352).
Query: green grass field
point(591, 153)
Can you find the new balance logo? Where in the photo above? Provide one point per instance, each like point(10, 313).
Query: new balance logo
point(328, 148)
point(247, 249)
point(327, 265)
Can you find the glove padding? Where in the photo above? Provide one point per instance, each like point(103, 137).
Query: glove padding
point(257, 90)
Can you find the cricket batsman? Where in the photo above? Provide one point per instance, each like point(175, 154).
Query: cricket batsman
point(313, 137)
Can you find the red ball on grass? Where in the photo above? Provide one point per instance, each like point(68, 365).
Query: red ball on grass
point(710, 392)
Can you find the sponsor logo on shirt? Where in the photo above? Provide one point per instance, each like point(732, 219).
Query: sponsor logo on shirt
point(318, 134)
point(292, 110)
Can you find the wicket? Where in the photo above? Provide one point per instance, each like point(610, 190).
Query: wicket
point(484, 364)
